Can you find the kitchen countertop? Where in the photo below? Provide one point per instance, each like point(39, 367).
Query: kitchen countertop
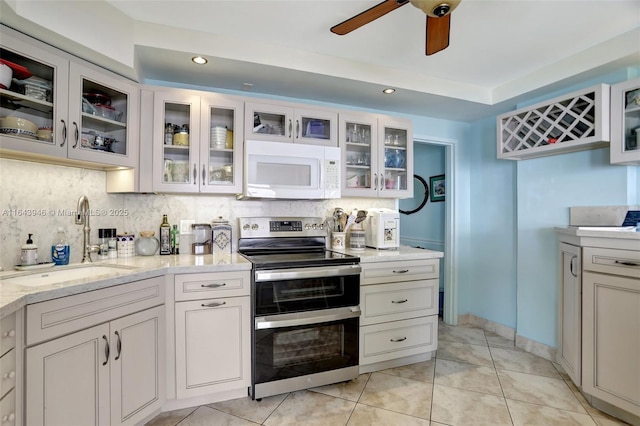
point(14, 296)
point(627, 240)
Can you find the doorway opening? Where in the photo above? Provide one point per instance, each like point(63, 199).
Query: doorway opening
point(441, 235)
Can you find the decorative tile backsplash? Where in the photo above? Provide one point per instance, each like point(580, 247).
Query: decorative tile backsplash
point(38, 198)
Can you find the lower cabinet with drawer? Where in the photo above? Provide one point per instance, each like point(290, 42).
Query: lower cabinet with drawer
point(399, 321)
point(96, 358)
point(213, 333)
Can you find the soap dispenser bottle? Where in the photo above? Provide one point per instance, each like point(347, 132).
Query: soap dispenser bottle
point(29, 252)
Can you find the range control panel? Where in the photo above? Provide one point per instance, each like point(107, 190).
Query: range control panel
point(265, 227)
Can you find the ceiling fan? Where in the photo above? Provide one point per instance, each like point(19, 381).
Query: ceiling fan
point(438, 20)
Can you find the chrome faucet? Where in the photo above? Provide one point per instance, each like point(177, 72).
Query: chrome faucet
point(82, 218)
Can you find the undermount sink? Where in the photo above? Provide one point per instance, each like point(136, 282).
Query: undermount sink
point(57, 276)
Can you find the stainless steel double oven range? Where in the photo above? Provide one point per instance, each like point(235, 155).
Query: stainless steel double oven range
point(304, 306)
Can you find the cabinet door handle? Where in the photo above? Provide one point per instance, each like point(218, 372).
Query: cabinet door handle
point(213, 304)
point(204, 174)
point(64, 133)
point(400, 301)
point(297, 129)
point(118, 346)
point(401, 271)
point(10, 375)
point(106, 350)
point(76, 134)
point(10, 333)
point(214, 285)
point(574, 257)
point(375, 181)
point(8, 418)
point(290, 127)
point(398, 340)
point(195, 173)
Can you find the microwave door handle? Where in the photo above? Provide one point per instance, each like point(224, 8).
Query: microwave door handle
point(306, 318)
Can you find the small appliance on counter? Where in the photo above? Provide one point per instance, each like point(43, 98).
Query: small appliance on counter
point(382, 229)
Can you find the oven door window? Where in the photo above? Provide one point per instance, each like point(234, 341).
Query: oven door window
point(282, 353)
point(285, 296)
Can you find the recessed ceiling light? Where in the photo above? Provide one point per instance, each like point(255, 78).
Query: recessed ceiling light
point(199, 60)
point(388, 91)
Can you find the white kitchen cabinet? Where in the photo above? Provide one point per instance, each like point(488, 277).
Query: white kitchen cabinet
point(213, 333)
point(625, 122)
point(569, 353)
point(101, 136)
point(106, 366)
point(399, 302)
point(287, 122)
point(9, 372)
point(202, 161)
point(572, 122)
point(377, 156)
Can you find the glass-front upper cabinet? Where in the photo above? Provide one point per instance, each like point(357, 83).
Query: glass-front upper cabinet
point(291, 123)
point(395, 158)
point(197, 142)
point(222, 144)
point(58, 106)
point(359, 152)
point(625, 122)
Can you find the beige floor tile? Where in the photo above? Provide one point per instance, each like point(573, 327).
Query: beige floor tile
point(398, 394)
point(464, 352)
point(453, 406)
point(206, 416)
point(461, 334)
point(350, 390)
point(525, 414)
point(538, 390)
point(421, 371)
point(171, 418)
point(523, 362)
point(255, 411)
point(364, 415)
point(467, 376)
point(311, 409)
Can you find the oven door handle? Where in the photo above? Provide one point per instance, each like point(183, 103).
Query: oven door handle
point(306, 318)
point(311, 272)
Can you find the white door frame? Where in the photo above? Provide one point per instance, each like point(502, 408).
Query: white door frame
point(450, 314)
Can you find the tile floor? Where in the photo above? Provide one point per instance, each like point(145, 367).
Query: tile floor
point(476, 378)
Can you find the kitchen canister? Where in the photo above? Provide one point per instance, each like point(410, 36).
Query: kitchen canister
point(357, 239)
point(338, 240)
point(125, 244)
point(221, 237)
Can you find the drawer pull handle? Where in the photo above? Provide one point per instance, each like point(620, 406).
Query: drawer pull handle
point(626, 263)
point(213, 305)
point(118, 346)
point(11, 333)
point(401, 271)
point(214, 285)
point(398, 340)
point(400, 301)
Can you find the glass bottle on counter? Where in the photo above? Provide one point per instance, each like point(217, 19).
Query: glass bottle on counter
point(175, 240)
point(165, 236)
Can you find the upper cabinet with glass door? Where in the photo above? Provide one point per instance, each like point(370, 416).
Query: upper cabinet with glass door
point(197, 142)
point(61, 107)
point(377, 156)
point(625, 122)
point(292, 123)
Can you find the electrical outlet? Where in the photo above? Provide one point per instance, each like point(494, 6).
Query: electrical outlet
point(185, 226)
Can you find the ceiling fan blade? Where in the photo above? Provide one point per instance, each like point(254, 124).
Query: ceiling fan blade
point(437, 34)
point(367, 16)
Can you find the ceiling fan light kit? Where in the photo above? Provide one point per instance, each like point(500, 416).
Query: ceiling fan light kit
point(437, 26)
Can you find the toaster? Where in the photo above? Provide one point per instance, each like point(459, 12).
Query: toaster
point(382, 229)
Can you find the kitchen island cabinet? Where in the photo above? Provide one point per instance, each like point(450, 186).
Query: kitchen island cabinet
point(598, 340)
point(99, 136)
point(109, 373)
point(10, 371)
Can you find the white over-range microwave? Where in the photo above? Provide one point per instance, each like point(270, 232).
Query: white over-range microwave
point(288, 171)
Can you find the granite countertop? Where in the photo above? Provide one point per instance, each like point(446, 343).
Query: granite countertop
point(599, 232)
point(14, 296)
